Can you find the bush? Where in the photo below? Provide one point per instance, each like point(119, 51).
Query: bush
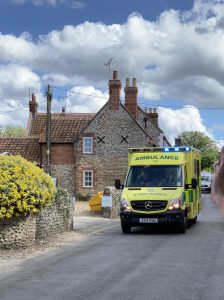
point(24, 187)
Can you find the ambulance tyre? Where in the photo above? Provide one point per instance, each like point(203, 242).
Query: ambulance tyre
point(194, 221)
point(126, 228)
point(183, 225)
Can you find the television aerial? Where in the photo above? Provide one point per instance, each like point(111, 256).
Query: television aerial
point(107, 64)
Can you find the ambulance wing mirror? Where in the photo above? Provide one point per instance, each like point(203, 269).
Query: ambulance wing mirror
point(118, 184)
point(194, 183)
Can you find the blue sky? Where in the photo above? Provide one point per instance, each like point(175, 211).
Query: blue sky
point(174, 48)
point(41, 19)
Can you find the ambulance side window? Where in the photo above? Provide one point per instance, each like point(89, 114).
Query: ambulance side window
point(185, 176)
point(198, 170)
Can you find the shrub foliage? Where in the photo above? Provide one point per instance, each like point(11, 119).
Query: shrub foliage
point(24, 187)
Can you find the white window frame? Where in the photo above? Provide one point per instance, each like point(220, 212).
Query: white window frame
point(84, 179)
point(88, 149)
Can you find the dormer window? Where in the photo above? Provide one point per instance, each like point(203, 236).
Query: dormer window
point(88, 145)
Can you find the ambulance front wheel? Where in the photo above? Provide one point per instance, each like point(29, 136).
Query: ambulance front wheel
point(183, 225)
point(194, 221)
point(126, 228)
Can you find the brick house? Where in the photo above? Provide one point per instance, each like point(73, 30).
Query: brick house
point(88, 151)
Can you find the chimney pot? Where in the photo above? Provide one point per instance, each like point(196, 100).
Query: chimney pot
point(134, 84)
point(146, 109)
point(63, 109)
point(153, 115)
point(115, 75)
point(33, 104)
point(127, 81)
point(33, 97)
point(178, 142)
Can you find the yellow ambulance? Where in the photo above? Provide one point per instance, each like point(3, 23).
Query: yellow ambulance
point(163, 185)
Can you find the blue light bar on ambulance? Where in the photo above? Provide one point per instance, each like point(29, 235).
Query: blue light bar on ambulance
point(161, 149)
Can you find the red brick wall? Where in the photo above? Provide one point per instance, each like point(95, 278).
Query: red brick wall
point(61, 154)
point(114, 92)
point(131, 100)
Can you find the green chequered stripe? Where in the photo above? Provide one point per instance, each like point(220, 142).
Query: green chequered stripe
point(184, 195)
point(191, 195)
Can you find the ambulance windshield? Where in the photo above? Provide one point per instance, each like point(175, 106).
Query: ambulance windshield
point(155, 176)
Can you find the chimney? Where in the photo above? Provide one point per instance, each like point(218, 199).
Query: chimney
point(178, 142)
point(114, 92)
point(63, 110)
point(153, 115)
point(131, 93)
point(33, 104)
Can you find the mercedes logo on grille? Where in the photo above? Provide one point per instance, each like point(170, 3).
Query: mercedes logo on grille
point(148, 205)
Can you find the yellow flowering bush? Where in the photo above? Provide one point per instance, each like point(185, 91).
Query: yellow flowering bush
point(24, 187)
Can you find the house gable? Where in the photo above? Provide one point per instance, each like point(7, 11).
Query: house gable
point(113, 133)
point(94, 147)
point(116, 130)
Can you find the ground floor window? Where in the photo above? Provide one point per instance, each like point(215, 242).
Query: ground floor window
point(88, 178)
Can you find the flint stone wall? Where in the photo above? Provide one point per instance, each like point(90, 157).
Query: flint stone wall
point(65, 176)
point(22, 233)
point(56, 218)
point(118, 132)
point(17, 233)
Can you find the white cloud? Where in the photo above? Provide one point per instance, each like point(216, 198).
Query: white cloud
point(78, 99)
point(77, 4)
point(179, 57)
point(72, 3)
point(175, 122)
point(17, 49)
point(15, 82)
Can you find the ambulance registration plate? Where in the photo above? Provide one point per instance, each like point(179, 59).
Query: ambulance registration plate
point(148, 220)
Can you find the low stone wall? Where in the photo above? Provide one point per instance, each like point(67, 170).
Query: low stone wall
point(56, 218)
point(22, 233)
point(17, 233)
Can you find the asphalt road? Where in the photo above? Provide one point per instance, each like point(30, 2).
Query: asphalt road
point(146, 264)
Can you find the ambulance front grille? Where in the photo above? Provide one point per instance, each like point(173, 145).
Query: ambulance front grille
point(149, 205)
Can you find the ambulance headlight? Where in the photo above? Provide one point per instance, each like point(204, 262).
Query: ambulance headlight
point(175, 204)
point(125, 205)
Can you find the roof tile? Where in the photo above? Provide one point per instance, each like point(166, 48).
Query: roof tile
point(27, 147)
point(64, 126)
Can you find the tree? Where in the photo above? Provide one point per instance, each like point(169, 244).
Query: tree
point(24, 188)
point(13, 131)
point(202, 142)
